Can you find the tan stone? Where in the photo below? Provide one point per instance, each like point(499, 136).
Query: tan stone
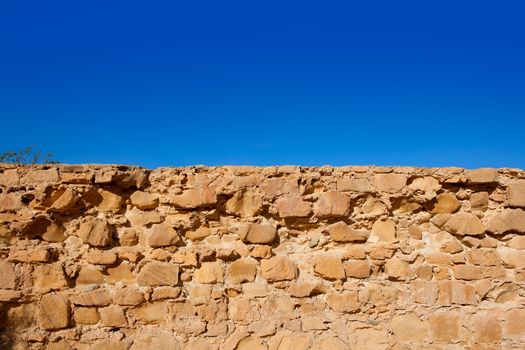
point(120, 273)
point(101, 258)
point(139, 218)
point(424, 292)
point(95, 232)
point(515, 324)
point(49, 276)
point(275, 186)
point(446, 203)
point(278, 268)
point(36, 255)
point(161, 342)
point(53, 312)
point(144, 200)
point(292, 342)
point(445, 326)
point(195, 198)
point(209, 272)
point(98, 297)
point(158, 274)
point(9, 178)
point(516, 194)
point(108, 344)
point(41, 175)
point(425, 187)
point(304, 288)
point(343, 302)
point(151, 313)
point(7, 276)
point(467, 272)
point(64, 199)
point(357, 269)
point(163, 235)
point(397, 269)
point(385, 230)
point(465, 224)
point(355, 185)
point(244, 204)
point(341, 232)
point(415, 232)
point(86, 315)
point(199, 234)
point(89, 275)
point(506, 221)
point(242, 270)
point(292, 206)
point(389, 182)
point(455, 292)
point(258, 233)
point(251, 342)
point(482, 175)
point(128, 296)
point(111, 202)
point(479, 200)
point(329, 267)
point(10, 202)
point(112, 316)
point(369, 339)
point(165, 292)
point(408, 327)
point(332, 204)
point(486, 328)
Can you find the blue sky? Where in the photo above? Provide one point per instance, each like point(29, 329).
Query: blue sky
point(265, 82)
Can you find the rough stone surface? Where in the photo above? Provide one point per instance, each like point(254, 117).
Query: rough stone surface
point(288, 257)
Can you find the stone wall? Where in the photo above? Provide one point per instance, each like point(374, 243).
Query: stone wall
point(117, 257)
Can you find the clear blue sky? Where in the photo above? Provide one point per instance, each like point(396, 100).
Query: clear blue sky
point(427, 83)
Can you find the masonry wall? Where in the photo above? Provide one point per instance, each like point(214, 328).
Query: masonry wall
point(117, 257)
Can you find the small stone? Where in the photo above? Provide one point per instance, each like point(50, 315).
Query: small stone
point(332, 204)
point(36, 255)
point(95, 232)
point(278, 268)
point(389, 182)
point(355, 185)
point(357, 269)
point(344, 302)
point(101, 258)
point(53, 312)
point(242, 270)
point(64, 200)
point(292, 206)
point(7, 276)
point(304, 289)
point(86, 315)
point(444, 326)
point(341, 232)
point(112, 316)
point(482, 175)
point(329, 267)
point(415, 232)
point(479, 200)
point(158, 274)
point(385, 230)
point(199, 234)
point(408, 328)
point(446, 203)
point(128, 296)
point(163, 235)
point(144, 200)
point(209, 272)
point(465, 224)
point(195, 198)
point(49, 276)
point(467, 272)
point(397, 269)
point(275, 186)
point(151, 313)
point(110, 201)
point(516, 194)
point(89, 275)
point(508, 220)
point(258, 233)
point(244, 204)
point(98, 297)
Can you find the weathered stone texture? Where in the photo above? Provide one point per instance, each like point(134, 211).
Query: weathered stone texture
point(273, 258)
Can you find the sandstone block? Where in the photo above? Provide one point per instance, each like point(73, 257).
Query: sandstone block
point(445, 326)
point(112, 316)
point(516, 194)
point(199, 234)
point(486, 328)
point(242, 270)
point(41, 175)
point(109, 201)
point(332, 204)
point(275, 186)
point(151, 313)
point(144, 200)
point(7, 276)
point(49, 276)
point(9, 178)
point(89, 275)
point(515, 324)
point(397, 269)
point(408, 327)
point(329, 267)
point(10, 202)
point(53, 312)
point(258, 233)
point(95, 232)
point(343, 302)
point(465, 224)
point(244, 204)
point(341, 232)
point(389, 182)
point(36, 255)
point(424, 292)
point(101, 258)
point(97, 297)
point(482, 175)
point(467, 272)
point(195, 198)
point(385, 230)
point(278, 268)
point(357, 269)
point(446, 203)
point(355, 185)
point(209, 272)
point(507, 220)
point(86, 315)
point(158, 274)
point(292, 206)
point(128, 296)
point(163, 235)
point(160, 342)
